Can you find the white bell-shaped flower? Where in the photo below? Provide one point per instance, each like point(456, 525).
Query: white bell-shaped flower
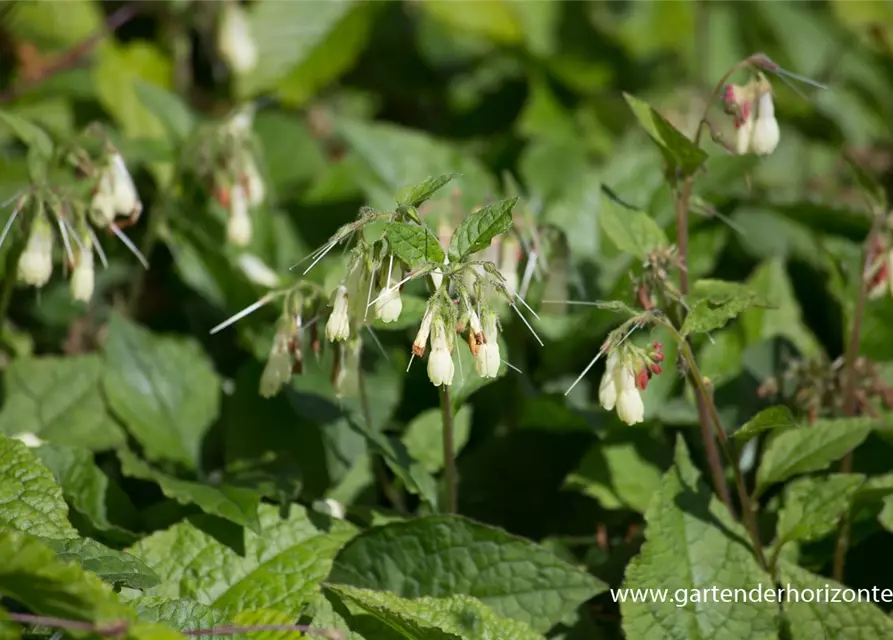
point(103, 203)
point(766, 133)
point(83, 277)
point(238, 228)
point(743, 136)
point(487, 360)
point(338, 326)
point(630, 407)
point(257, 271)
point(235, 43)
point(440, 361)
point(36, 262)
point(437, 274)
point(127, 200)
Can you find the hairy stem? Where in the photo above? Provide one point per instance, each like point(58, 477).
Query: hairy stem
point(747, 509)
point(449, 460)
point(709, 442)
point(849, 391)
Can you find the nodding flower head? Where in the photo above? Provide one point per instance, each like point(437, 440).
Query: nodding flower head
point(487, 360)
point(235, 43)
point(36, 262)
point(115, 193)
point(753, 111)
point(627, 374)
point(440, 360)
point(389, 305)
point(238, 227)
point(338, 326)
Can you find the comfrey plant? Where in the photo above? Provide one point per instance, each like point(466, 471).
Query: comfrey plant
point(388, 251)
point(663, 296)
point(58, 217)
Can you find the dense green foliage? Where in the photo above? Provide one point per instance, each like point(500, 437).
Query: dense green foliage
point(168, 463)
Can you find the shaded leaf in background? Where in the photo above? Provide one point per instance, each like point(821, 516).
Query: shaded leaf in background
point(424, 436)
point(632, 232)
point(87, 489)
point(60, 401)
point(164, 389)
point(448, 555)
point(232, 503)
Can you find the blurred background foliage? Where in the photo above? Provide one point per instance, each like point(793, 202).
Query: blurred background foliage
point(359, 98)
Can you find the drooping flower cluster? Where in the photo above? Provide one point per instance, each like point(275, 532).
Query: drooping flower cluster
point(753, 111)
point(114, 197)
point(235, 43)
point(627, 374)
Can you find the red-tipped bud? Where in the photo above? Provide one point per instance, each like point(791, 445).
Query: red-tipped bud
point(642, 377)
point(222, 196)
point(658, 356)
point(655, 369)
point(657, 346)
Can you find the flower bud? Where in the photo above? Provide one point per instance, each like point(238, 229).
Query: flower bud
point(127, 201)
point(338, 326)
point(235, 42)
point(418, 345)
point(82, 278)
point(607, 389)
point(254, 184)
point(440, 361)
point(36, 261)
point(487, 359)
point(238, 228)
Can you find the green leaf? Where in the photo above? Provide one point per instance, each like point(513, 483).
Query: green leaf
point(691, 542)
point(59, 400)
point(623, 471)
point(85, 487)
point(397, 156)
point(633, 232)
point(287, 34)
point(178, 613)
point(717, 302)
point(771, 283)
point(30, 500)
point(414, 244)
point(477, 229)
point(30, 134)
point(440, 556)
point(164, 389)
point(280, 567)
point(416, 194)
point(810, 448)
point(773, 418)
point(173, 113)
point(838, 620)
point(495, 19)
point(115, 567)
point(232, 503)
point(424, 436)
point(427, 618)
point(813, 506)
point(33, 575)
point(678, 150)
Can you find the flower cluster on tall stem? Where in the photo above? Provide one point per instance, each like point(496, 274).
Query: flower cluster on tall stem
point(753, 112)
point(627, 373)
